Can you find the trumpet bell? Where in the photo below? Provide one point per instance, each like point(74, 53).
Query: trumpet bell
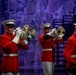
point(31, 32)
point(60, 30)
point(26, 28)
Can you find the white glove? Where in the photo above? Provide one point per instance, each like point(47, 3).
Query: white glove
point(16, 39)
point(24, 35)
point(18, 34)
point(18, 28)
point(24, 38)
point(58, 37)
point(52, 32)
point(14, 32)
point(25, 42)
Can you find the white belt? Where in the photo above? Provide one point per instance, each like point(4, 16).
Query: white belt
point(10, 54)
point(73, 56)
point(48, 49)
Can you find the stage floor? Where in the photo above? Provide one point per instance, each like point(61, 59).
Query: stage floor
point(31, 72)
point(37, 72)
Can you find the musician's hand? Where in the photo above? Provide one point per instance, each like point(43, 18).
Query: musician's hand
point(24, 42)
point(19, 32)
point(52, 32)
point(24, 35)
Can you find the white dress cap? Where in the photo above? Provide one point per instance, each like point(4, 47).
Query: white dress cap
point(10, 21)
point(46, 25)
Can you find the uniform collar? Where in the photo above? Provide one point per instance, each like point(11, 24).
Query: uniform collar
point(8, 34)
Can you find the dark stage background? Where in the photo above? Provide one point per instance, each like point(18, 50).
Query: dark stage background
point(36, 13)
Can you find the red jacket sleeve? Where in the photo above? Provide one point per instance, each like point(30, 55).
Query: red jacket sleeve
point(68, 50)
point(41, 39)
point(58, 41)
point(7, 44)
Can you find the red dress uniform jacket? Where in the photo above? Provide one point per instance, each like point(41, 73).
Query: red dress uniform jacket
point(10, 63)
point(70, 51)
point(47, 48)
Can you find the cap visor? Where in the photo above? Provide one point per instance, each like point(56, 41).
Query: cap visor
point(10, 25)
